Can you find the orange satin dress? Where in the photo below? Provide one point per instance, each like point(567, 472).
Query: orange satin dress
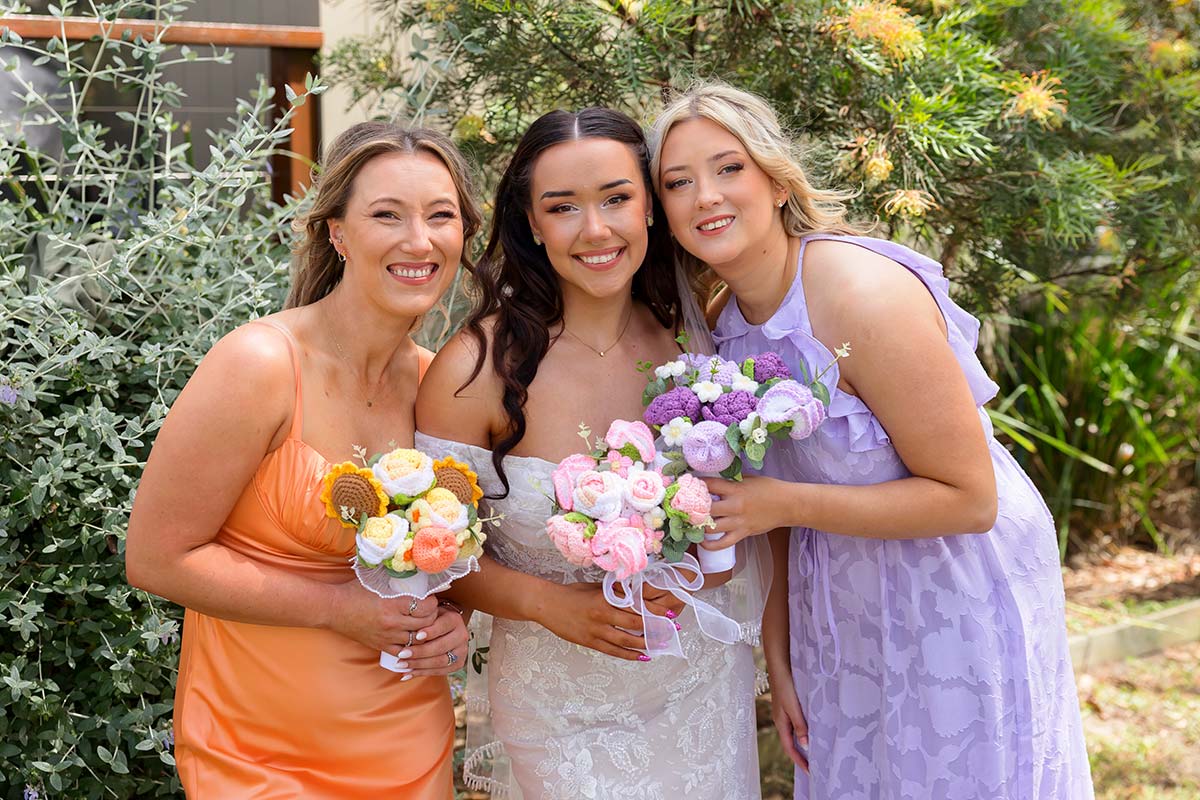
point(272, 712)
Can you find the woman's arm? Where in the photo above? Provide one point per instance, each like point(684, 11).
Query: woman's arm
point(235, 408)
point(786, 712)
point(575, 612)
point(903, 368)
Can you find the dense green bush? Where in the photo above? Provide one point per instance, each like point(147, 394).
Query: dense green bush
point(119, 267)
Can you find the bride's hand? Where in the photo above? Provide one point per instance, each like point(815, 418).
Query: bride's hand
point(789, 718)
point(662, 602)
point(578, 612)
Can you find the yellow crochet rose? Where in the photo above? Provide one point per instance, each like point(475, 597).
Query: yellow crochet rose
point(401, 462)
point(378, 531)
point(444, 503)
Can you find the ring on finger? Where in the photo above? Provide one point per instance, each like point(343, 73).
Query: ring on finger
point(413, 607)
point(451, 658)
point(410, 638)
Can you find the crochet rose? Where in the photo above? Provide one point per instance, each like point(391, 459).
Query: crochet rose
point(619, 546)
point(565, 475)
point(644, 489)
point(623, 432)
point(600, 495)
point(381, 537)
point(692, 498)
point(770, 365)
point(678, 402)
point(782, 401)
point(570, 537)
point(705, 448)
point(404, 472)
point(730, 408)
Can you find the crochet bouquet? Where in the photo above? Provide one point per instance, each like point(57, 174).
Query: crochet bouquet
point(615, 509)
point(713, 415)
point(417, 520)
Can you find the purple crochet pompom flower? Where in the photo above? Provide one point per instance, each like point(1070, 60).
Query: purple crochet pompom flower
point(770, 365)
point(731, 407)
point(705, 448)
point(678, 402)
point(719, 371)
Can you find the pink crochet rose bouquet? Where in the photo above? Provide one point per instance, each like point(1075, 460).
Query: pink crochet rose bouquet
point(712, 413)
point(615, 509)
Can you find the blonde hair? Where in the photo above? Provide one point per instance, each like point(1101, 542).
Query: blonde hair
point(752, 120)
point(316, 268)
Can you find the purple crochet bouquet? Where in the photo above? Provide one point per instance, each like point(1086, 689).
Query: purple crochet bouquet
point(711, 414)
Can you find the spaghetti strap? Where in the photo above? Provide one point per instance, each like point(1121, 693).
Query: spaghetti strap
point(293, 350)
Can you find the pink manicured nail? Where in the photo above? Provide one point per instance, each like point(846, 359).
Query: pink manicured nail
point(671, 614)
point(643, 657)
point(678, 627)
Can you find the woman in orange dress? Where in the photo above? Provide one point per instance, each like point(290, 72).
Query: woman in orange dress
point(280, 692)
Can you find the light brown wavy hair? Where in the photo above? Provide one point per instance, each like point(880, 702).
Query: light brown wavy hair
point(316, 268)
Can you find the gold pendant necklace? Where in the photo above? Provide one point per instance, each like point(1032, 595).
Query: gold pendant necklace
point(601, 353)
point(370, 400)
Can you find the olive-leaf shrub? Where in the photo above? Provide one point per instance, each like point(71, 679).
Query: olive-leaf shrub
point(120, 265)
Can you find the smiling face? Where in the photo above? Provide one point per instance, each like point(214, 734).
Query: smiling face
point(402, 233)
point(588, 204)
point(720, 204)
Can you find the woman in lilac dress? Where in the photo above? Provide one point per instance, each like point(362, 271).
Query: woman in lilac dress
point(918, 648)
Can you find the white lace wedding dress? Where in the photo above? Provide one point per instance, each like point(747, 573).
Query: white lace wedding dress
point(561, 721)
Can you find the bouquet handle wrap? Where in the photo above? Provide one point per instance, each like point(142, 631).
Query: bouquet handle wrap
point(712, 561)
point(661, 636)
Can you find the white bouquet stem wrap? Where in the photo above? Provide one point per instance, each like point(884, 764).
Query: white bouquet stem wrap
point(418, 587)
point(712, 561)
point(662, 638)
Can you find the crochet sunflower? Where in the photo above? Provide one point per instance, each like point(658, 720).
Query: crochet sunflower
point(459, 478)
point(350, 491)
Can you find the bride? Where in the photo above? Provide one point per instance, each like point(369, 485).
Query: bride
point(566, 310)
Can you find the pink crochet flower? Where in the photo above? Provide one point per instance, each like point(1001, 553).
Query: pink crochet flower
point(653, 539)
point(620, 464)
point(568, 537)
point(620, 547)
point(565, 475)
point(692, 498)
point(806, 419)
point(622, 432)
point(705, 448)
point(644, 489)
point(600, 495)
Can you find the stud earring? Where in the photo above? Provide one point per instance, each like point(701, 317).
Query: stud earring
point(779, 203)
point(537, 240)
point(649, 220)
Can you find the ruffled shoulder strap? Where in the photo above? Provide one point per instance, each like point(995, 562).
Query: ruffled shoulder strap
point(962, 328)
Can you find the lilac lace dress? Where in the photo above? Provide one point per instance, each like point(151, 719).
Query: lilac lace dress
point(926, 668)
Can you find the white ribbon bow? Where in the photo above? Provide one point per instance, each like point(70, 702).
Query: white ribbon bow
point(662, 638)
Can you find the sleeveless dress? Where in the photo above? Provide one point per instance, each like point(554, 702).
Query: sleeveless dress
point(932, 667)
point(569, 723)
point(267, 711)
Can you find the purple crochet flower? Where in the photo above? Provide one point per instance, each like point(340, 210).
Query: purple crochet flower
point(705, 448)
point(806, 419)
point(731, 407)
point(770, 365)
point(719, 371)
point(783, 401)
point(678, 402)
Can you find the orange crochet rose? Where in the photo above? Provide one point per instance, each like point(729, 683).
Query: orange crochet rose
point(434, 549)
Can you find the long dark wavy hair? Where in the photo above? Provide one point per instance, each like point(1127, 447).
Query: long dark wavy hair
point(517, 284)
